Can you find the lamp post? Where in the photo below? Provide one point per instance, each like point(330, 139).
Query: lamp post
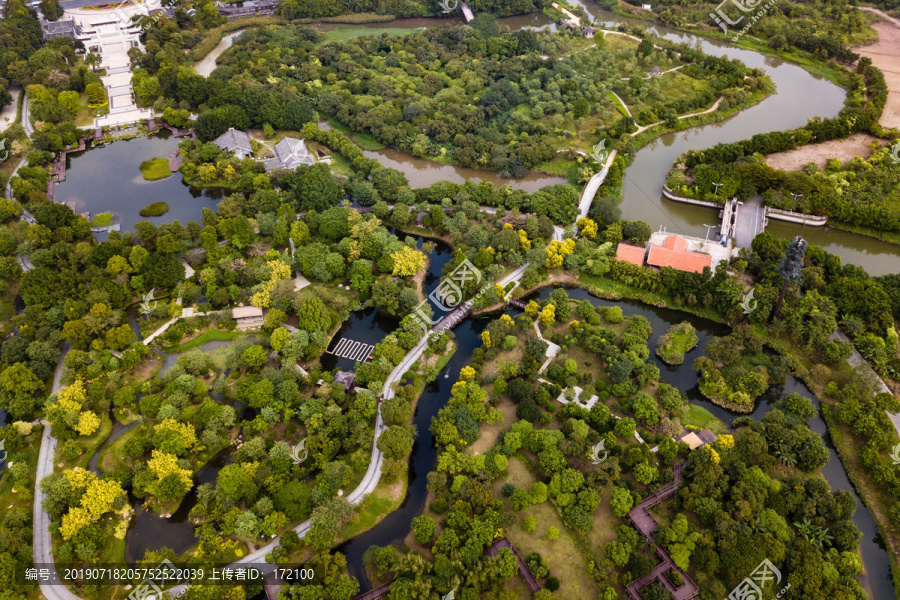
point(717, 187)
point(708, 227)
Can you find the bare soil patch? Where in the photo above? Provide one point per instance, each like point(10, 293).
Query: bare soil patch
point(794, 160)
point(885, 54)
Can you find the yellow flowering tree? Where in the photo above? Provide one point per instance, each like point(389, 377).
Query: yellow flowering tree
point(587, 227)
point(548, 315)
point(524, 242)
point(486, 339)
point(407, 262)
point(557, 251)
point(97, 499)
point(278, 271)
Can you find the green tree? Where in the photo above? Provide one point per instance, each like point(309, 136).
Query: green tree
point(423, 528)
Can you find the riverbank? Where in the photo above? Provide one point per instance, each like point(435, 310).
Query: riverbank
point(828, 69)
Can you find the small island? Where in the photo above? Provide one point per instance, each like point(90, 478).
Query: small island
point(155, 209)
point(680, 339)
point(156, 168)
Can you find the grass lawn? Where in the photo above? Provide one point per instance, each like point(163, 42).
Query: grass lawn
point(565, 559)
point(87, 446)
point(211, 335)
point(677, 342)
point(347, 32)
point(362, 140)
point(156, 168)
point(102, 219)
point(112, 457)
point(699, 417)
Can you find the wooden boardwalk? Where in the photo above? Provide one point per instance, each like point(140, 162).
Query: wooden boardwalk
point(644, 522)
point(494, 550)
point(273, 586)
point(517, 303)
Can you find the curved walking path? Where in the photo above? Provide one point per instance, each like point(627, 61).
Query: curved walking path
point(41, 542)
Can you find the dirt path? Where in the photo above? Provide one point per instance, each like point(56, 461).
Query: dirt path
point(794, 160)
point(885, 54)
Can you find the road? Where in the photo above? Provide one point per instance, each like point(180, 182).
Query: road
point(748, 222)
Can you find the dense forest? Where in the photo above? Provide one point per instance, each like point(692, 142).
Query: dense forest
point(826, 30)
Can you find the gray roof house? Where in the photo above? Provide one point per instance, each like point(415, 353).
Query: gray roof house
point(55, 29)
point(290, 153)
point(235, 141)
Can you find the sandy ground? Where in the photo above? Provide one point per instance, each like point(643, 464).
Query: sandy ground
point(794, 160)
point(885, 55)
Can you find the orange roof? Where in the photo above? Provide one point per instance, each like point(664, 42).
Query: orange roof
point(630, 254)
point(676, 243)
point(683, 261)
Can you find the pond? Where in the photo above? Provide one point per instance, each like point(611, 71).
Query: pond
point(150, 531)
point(108, 179)
point(369, 326)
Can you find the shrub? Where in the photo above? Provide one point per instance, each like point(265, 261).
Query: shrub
point(552, 584)
point(156, 209)
point(508, 489)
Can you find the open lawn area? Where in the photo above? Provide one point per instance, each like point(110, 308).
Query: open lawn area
point(699, 417)
point(566, 561)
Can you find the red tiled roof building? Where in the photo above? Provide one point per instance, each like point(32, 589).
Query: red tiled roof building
point(630, 254)
point(673, 254)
